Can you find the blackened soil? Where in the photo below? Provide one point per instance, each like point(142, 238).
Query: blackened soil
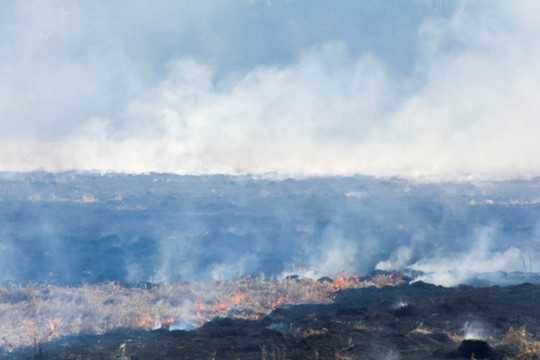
point(410, 321)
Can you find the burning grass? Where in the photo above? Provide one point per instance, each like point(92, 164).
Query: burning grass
point(32, 315)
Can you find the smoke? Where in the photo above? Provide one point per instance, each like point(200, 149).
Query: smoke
point(460, 102)
point(475, 330)
point(334, 254)
point(486, 254)
point(289, 89)
point(458, 268)
point(398, 260)
point(70, 228)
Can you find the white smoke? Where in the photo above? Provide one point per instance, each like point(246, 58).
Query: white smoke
point(398, 260)
point(334, 254)
point(452, 269)
point(475, 330)
point(468, 108)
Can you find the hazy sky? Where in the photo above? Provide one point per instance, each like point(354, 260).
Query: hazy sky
point(435, 88)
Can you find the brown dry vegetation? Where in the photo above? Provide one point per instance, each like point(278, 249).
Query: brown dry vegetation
point(529, 347)
point(411, 321)
point(32, 315)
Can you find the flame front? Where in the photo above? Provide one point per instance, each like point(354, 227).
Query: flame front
point(53, 325)
point(146, 320)
point(236, 299)
point(100, 308)
point(346, 282)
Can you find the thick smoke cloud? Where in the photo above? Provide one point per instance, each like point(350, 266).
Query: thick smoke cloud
point(437, 89)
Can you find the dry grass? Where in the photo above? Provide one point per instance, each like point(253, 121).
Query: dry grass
point(273, 354)
point(528, 346)
point(338, 352)
point(310, 332)
point(421, 330)
point(359, 325)
point(35, 314)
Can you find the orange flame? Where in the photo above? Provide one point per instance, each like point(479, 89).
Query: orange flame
point(236, 299)
point(199, 308)
point(341, 281)
point(279, 302)
point(117, 286)
point(221, 308)
point(167, 324)
point(146, 320)
point(338, 283)
point(53, 325)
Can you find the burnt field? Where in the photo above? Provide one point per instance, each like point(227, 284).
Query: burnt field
point(405, 321)
point(160, 266)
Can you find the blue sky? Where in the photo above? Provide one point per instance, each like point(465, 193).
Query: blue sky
point(409, 88)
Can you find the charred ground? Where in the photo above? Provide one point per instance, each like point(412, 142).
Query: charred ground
point(408, 321)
